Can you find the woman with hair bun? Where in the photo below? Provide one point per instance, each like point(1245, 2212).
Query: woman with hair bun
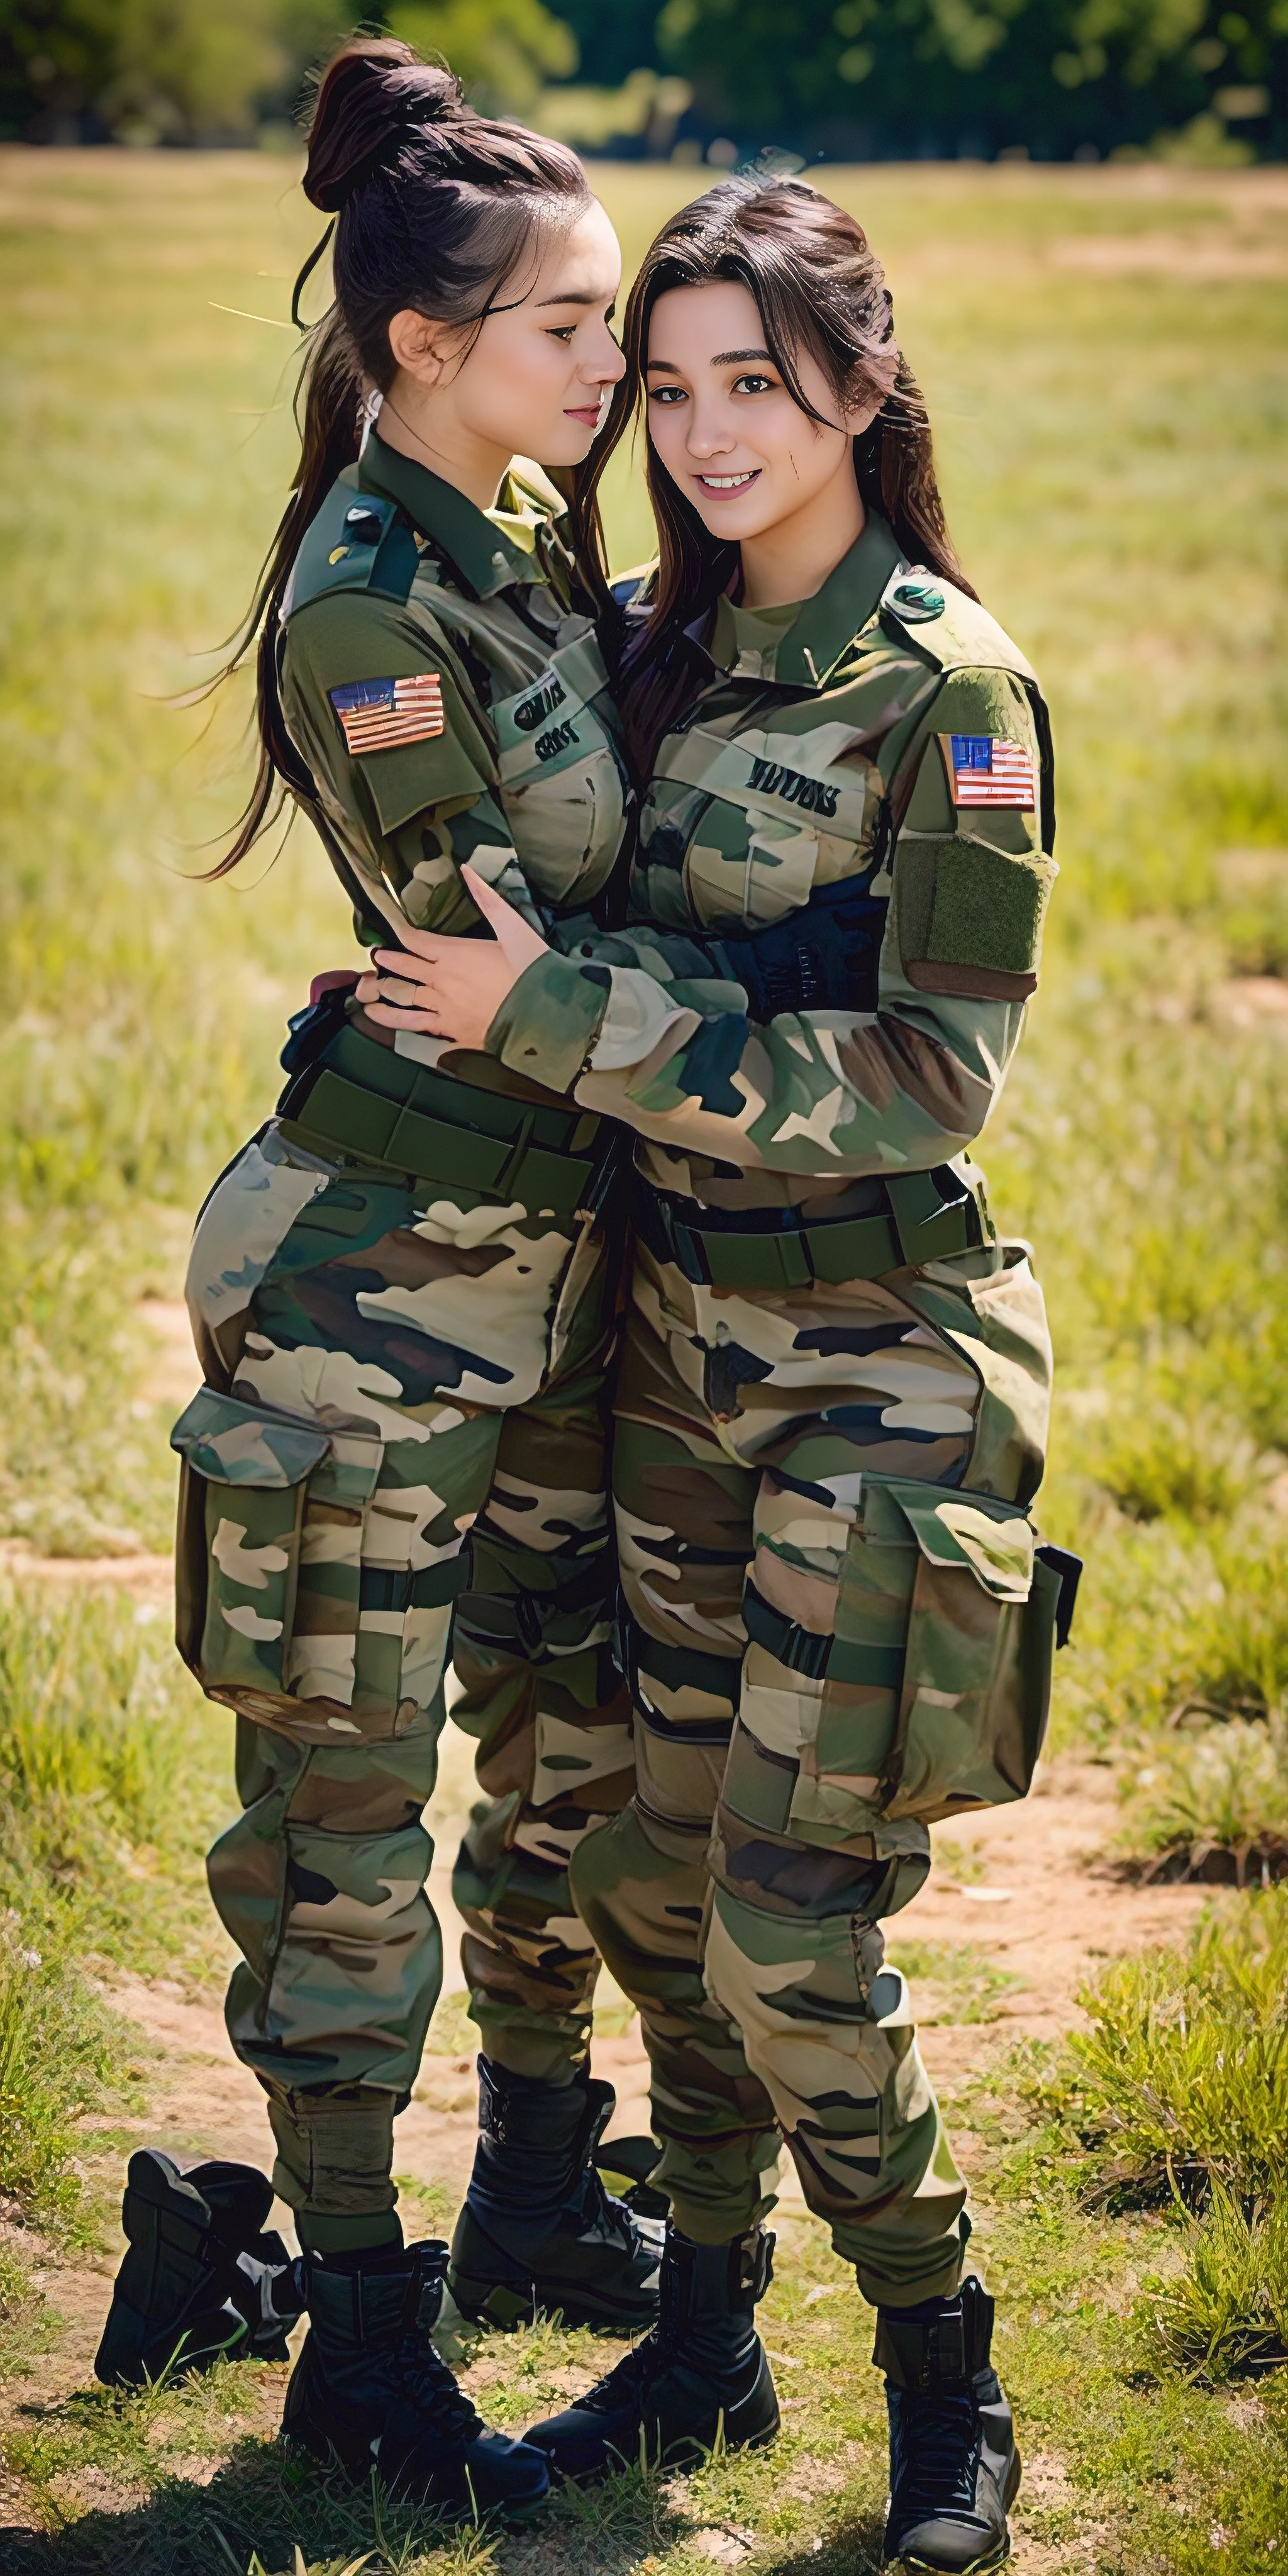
point(831, 1403)
point(403, 1300)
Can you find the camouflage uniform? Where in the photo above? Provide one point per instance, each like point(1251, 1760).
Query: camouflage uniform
point(403, 1301)
point(832, 1401)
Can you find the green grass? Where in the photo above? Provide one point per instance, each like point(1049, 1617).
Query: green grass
point(1176, 2097)
point(1114, 459)
point(60, 2059)
point(1181, 2080)
point(109, 1784)
point(112, 1774)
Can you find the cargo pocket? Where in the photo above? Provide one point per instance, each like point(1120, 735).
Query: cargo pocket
point(938, 1677)
point(270, 1582)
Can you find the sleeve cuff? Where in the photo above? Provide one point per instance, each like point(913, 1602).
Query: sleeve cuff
point(550, 1019)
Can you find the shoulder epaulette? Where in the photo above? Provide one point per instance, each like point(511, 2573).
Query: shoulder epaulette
point(952, 630)
point(358, 541)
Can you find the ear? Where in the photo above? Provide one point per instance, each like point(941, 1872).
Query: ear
point(420, 346)
point(880, 372)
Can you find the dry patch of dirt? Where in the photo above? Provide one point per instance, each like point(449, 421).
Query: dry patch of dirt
point(1033, 1886)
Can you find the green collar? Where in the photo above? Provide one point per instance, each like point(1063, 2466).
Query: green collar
point(484, 554)
point(840, 610)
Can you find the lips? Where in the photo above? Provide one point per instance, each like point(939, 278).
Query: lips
point(729, 482)
point(588, 415)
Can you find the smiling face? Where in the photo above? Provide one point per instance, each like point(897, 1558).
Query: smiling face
point(534, 379)
point(723, 423)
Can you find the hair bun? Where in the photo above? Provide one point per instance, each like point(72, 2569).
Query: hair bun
point(371, 92)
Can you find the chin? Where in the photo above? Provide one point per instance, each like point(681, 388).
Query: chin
point(566, 445)
point(730, 524)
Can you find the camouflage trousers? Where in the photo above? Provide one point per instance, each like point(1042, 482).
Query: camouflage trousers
point(799, 1479)
point(452, 1354)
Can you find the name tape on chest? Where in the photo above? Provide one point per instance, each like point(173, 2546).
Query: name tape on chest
point(379, 715)
point(813, 795)
point(989, 769)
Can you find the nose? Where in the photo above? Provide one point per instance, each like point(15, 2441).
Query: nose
point(707, 435)
point(605, 364)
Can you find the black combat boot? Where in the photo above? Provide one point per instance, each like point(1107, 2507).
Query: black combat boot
point(954, 2467)
point(199, 2276)
point(370, 2390)
point(538, 2234)
point(701, 2376)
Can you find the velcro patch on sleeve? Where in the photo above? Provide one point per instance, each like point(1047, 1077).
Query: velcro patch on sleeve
point(378, 715)
point(989, 769)
point(970, 919)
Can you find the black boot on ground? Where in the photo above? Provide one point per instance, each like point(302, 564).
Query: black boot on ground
point(199, 2276)
point(370, 2390)
point(700, 2377)
point(538, 2234)
point(954, 2467)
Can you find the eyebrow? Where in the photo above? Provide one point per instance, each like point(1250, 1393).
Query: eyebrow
point(727, 358)
point(571, 299)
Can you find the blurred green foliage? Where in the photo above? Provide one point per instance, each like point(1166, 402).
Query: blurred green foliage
point(852, 79)
point(504, 51)
point(1054, 77)
point(181, 71)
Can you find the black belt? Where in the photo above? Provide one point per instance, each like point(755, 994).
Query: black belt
point(358, 1098)
point(928, 1216)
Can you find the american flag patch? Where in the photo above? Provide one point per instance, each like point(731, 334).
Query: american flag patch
point(378, 715)
point(989, 769)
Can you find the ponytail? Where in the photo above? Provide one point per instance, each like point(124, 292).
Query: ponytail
point(433, 207)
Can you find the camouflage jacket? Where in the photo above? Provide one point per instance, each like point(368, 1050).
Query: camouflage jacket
point(449, 698)
point(861, 794)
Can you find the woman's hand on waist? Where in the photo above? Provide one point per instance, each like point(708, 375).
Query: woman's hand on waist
point(452, 988)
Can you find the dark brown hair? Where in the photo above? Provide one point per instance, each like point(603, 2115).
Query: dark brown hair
point(819, 288)
point(434, 210)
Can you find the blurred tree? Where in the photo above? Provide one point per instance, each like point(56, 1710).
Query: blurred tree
point(188, 73)
point(845, 77)
point(55, 58)
point(614, 42)
point(978, 75)
point(504, 50)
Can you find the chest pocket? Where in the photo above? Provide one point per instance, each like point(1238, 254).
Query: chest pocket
point(560, 779)
point(783, 819)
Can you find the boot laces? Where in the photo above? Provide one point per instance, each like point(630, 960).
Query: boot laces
point(599, 2211)
point(424, 2379)
point(936, 2465)
point(646, 2360)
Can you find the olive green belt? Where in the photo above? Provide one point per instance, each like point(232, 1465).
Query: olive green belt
point(927, 1216)
point(361, 1099)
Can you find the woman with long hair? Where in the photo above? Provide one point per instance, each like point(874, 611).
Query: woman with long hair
point(403, 1299)
point(832, 1400)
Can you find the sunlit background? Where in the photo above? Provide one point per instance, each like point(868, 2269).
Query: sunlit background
point(1105, 354)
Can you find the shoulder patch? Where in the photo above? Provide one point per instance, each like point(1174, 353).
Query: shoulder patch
point(989, 769)
point(380, 715)
point(915, 600)
point(950, 629)
point(358, 541)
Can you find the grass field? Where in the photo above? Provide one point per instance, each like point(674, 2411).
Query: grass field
point(1107, 363)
